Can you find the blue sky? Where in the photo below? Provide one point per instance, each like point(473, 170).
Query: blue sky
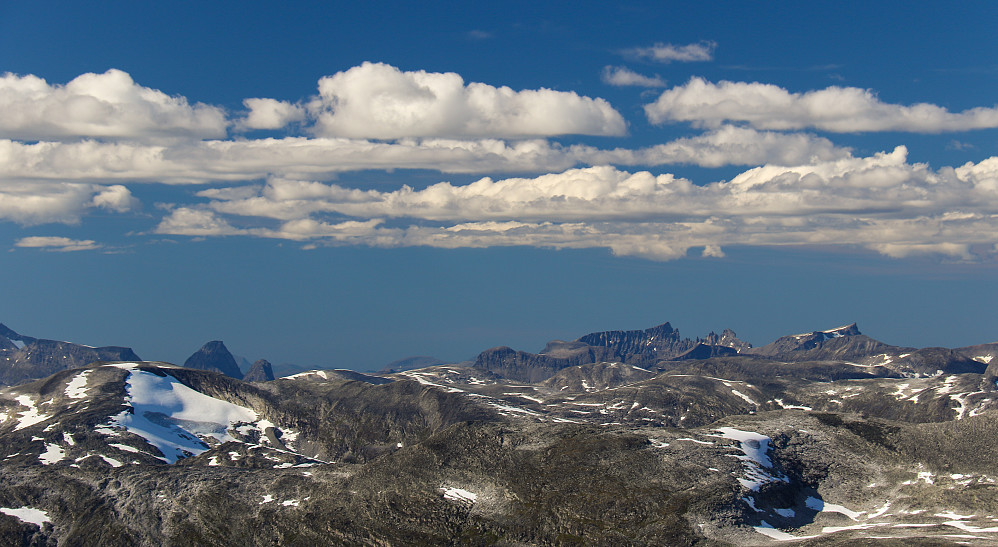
point(342, 186)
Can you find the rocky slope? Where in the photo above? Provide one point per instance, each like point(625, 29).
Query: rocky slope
point(643, 348)
point(24, 358)
point(732, 449)
point(260, 371)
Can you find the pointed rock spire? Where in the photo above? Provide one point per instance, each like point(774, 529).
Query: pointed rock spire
point(261, 371)
point(214, 356)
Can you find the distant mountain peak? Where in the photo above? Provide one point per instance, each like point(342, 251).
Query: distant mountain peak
point(26, 358)
point(214, 356)
point(260, 371)
point(845, 330)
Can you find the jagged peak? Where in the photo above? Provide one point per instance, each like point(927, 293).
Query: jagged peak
point(260, 371)
point(604, 338)
point(214, 356)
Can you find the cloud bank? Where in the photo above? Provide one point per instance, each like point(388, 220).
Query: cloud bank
point(73, 150)
point(667, 53)
point(880, 202)
point(379, 101)
point(53, 243)
point(623, 76)
point(108, 105)
point(835, 109)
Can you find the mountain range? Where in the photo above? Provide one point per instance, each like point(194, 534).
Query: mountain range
point(616, 438)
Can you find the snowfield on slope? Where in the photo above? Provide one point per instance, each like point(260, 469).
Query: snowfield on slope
point(171, 416)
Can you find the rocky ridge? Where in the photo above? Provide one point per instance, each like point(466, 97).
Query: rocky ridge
point(24, 358)
point(732, 449)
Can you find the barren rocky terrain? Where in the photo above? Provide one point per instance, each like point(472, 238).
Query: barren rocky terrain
point(619, 438)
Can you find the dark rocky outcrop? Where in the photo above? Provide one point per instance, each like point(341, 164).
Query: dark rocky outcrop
point(727, 338)
point(643, 348)
point(214, 356)
point(807, 341)
point(25, 358)
point(931, 361)
point(260, 371)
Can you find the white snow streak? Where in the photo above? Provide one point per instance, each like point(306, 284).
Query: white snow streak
point(170, 415)
point(31, 416)
point(77, 387)
point(459, 495)
point(28, 514)
point(53, 453)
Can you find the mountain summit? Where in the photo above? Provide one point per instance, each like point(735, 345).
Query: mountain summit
point(214, 356)
point(634, 347)
point(25, 358)
point(261, 371)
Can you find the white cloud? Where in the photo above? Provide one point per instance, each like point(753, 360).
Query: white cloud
point(116, 198)
point(835, 109)
point(727, 145)
point(109, 105)
point(195, 222)
point(31, 203)
point(270, 114)
point(53, 243)
point(880, 202)
point(379, 101)
point(299, 157)
point(667, 53)
point(623, 76)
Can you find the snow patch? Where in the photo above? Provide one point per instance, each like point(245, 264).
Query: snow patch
point(743, 396)
point(28, 514)
point(77, 387)
point(823, 507)
point(973, 529)
point(31, 416)
point(53, 453)
point(459, 495)
point(126, 448)
point(767, 529)
point(170, 415)
point(755, 460)
point(791, 407)
point(953, 516)
point(694, 440)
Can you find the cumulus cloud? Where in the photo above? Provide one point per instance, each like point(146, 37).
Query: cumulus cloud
point(106, 106)
point(835, 109)
point(623, 76)
point(31, 203)
point(727, 145)
point(300, 157)
point(116, 198)
point(53, 243)
point(379, 101)
point(880, 202)
point(667, 53)
point(270, 114)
